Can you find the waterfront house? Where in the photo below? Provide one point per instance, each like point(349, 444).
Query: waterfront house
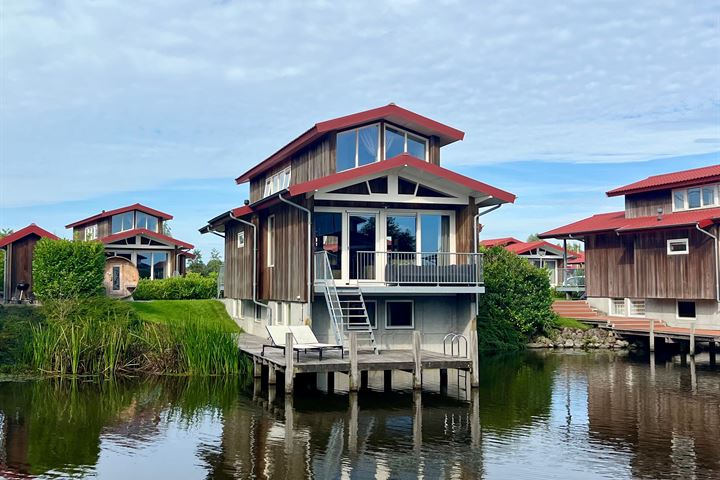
point(659, 256)
point(355, 225)
point(556, 260)
point(136, 246)
point(19, 249)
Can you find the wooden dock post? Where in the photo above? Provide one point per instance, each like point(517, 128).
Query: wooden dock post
point(353, 426)
point(289, 367)
point(330, 382)
point(272, 374)
point(692, 339)
point(387, 380)
point(652, 335)
point(475, 357)
point(257, 368)
point(417, 371)
point(417, 421)
point(353, 380)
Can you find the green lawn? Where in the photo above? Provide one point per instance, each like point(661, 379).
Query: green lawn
point(164, 311)
point(564, 322)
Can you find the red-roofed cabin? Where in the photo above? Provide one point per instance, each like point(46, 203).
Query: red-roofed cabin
point(359, 205)
point(136, 246)
point(19, 248)
point(545, 255)
point(658, 257)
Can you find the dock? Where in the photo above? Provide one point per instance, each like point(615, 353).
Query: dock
point(356, 363)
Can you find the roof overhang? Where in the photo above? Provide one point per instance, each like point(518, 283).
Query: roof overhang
point(109, 213)
point(31, 229)
point(170, 241)
point(391, 113)
point(684, 178)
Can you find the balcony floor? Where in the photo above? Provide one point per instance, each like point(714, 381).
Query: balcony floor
point(381, 289)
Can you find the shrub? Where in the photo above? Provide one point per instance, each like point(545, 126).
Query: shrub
point(191, 287)
point(63, 269)
point(518, 298)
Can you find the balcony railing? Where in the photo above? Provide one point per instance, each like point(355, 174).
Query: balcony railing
point(571, 277)
point(419, 268)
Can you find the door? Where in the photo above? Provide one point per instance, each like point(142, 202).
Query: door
point(362, 241)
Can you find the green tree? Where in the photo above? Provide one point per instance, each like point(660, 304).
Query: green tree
point(214, 264)
point(196, 265)
point(4, 232)
point(533, 237)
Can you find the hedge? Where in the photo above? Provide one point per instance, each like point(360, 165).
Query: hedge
point(64, 269)
point(191, 287)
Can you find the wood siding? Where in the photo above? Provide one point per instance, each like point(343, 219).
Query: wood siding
point(434, 150)
point(638, 266)
point(20, 264)
point(464, 232)
point(647, 204)
point(238, 261)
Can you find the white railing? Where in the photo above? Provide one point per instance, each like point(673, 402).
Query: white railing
point(571, 277)
point(419, 268)
point(324, 276)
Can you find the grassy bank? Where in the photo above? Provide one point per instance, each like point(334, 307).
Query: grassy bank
point(108, 337)
point(564, 322)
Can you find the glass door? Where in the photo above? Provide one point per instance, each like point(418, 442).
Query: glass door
point(362, 241)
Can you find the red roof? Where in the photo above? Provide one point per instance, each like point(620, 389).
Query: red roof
point(616, 222)
point(402, 160)
point(494, 242)
point(129, 208)
point(670, 180)
point(148, 233)
point(577, 258)
point(524, 247)
point(391, 112)
point(31, 229)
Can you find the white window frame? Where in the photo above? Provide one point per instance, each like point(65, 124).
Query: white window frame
point(405, 140)
point(633, 307)
point(677, 310)
point(270, 241)
point(277, 182)
point(241, 239)
point(91, 232)
point(357, 144)
point(716, 197)
point(683, 241)
point(614, 307)
point(387, 316)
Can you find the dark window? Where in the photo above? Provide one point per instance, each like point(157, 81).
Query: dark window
point(143, 265)
point(406, 187)
point(159, 265)
point(116, 278)
point(424, 191)
point(328, 237)
point(355, 189)
point(401, 235)
point(399, 314)
point(378, 185)
point(686, 309)
point(693, 196)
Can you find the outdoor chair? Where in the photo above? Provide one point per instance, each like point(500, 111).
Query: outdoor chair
point(304, 340)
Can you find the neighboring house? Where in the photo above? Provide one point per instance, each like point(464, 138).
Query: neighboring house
point(546, 255)
point(358, 227)
point(135, 246)
point(19, 249)
point(659, 256)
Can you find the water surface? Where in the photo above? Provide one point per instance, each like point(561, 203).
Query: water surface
point(536, 415)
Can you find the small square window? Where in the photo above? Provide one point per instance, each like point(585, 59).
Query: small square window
point(678, 246)
point(399, 314)
point(685, 309)
point(241, 239)
point(91, 232)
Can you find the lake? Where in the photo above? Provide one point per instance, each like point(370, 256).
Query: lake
point(568, 414)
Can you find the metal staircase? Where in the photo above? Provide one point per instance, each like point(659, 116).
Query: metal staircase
point(346, 307)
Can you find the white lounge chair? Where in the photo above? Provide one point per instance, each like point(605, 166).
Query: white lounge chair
point(303, 340)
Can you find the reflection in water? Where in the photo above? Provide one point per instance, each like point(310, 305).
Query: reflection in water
point(536, 415)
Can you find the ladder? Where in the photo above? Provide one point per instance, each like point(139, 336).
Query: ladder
point(346, 307)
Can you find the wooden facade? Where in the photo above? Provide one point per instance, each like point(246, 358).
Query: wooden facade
point(464, 227)
point(648, 204)
point(638, 266)
point(238, 260)
point(20, 258)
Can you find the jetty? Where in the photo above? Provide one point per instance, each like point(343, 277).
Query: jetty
point(357, 364)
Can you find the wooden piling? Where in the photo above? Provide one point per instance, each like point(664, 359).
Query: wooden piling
point(353, 422)
point(289, 360)
point(272, 375)
point(353, 380)
point(417, 371)
point(692, 339)
point(257, 368)
point(652, 335)
point(475, 357)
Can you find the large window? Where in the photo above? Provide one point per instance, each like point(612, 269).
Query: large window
point(143, 220)
point(277, 183)
point(399, 141)
point(401, 233)
point(362, 239)
point(696, 197)
point(434, 237)
point(357, 147)
point(122, 222)
point(399, 314)
point(328, 238)
point(152, 264)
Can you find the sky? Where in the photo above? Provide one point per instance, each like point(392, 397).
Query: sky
point(108, 103)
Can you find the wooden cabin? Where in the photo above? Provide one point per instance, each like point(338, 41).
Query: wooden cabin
point(355, 225)
point(19, 248)
point(659, 256)
point(565, 268)
point(135, 246)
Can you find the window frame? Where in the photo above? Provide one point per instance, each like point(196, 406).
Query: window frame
point(240, 239)
point(122, 223)
point(405, 140)
point(633, 304)
point(270, 238)
point(380, 139)
point(684, 241)
point(92, 229)
point(614, 303)
point(715, 188)
point(677, 310)
point(277, 182)
point(412, 315)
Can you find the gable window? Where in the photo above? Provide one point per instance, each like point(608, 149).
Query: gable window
point(271, 241)
point(143, 220)
point(399, 314)
point(91, 232)
point(357, 147)
point(277, 182)
point(678, 246)
point(399, 141)
point(696, 197)
point(122, 222)
point(686, 309)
